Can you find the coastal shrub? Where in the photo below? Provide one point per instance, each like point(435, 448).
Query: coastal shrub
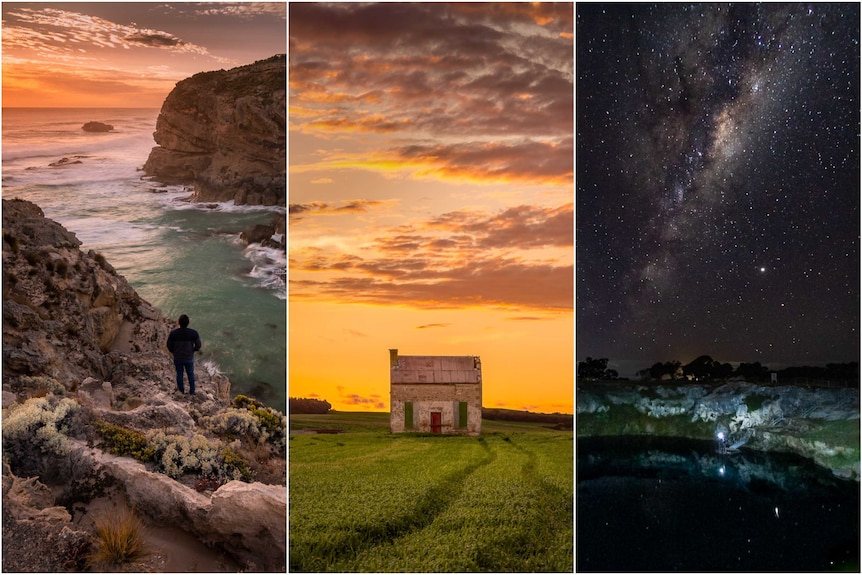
point(33, 257)
point(177, 455)
point(236, 423)
point(123, 441)
point(12, 241)
point(102, 261)
point(38, 386)
point(274, 422)
point(37, 427)
point(119, 539)
point(232, 460)
point(243, 401)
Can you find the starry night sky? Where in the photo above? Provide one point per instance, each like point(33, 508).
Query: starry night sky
point(717, 183)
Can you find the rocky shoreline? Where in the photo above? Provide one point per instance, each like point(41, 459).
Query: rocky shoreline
point(86, 376)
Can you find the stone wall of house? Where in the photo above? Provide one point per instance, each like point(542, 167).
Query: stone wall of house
point(436, 384)
point(436, 397)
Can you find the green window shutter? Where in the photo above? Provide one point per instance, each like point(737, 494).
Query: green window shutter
point(462, 414)
point(408, 415)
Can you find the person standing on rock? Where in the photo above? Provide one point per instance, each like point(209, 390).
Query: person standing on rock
point(183, 342)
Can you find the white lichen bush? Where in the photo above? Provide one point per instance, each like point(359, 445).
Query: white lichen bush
point(178, 455)
point(48, 384)
point(235, 423)
point(40, 423)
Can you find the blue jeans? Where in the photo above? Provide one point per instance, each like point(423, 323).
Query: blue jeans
point(189, 366)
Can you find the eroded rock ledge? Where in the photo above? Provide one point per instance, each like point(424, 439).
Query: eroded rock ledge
point(820, 424)
point(223, 133)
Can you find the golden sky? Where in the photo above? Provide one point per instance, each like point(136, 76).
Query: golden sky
point(431, 197)
point(123, 54)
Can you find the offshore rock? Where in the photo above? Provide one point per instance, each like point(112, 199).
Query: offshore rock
point(224, 133)
point(97, 127)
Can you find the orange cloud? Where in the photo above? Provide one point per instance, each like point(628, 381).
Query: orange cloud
point(449, 261)
point(529, 161)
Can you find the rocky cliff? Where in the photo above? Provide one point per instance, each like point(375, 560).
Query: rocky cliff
point(89, 392)
point(223, 133)
point(820, 424)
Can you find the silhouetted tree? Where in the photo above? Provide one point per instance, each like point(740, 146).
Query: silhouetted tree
point(702, 367)
point(596, 369)
point(753, 371)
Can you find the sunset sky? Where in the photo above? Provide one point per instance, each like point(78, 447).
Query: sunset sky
point(118, 54)
point(431, 197)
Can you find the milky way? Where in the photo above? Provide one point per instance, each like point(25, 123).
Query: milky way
point(717, 174)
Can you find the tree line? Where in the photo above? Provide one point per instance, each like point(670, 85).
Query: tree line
point(297, 405)
point(704, 367)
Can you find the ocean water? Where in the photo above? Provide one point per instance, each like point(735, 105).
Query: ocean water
point(180, 256)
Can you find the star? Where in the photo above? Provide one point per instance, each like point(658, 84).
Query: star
point(695, 132)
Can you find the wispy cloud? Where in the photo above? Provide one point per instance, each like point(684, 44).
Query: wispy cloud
point(349, 206)
point(62, 32)
point(244, 10)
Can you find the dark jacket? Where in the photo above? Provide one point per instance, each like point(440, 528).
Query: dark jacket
point(183, 342)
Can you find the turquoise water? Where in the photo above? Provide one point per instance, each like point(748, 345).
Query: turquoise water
point(181, 257)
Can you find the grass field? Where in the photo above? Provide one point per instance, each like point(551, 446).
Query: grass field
point(369, 500)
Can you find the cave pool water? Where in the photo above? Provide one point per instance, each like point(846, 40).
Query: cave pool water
point(648, 504)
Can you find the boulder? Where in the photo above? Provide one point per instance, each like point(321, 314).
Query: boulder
point(96, 394)
point(224, 133)
point(253, 516)
point(97, 127)
point(257, 233)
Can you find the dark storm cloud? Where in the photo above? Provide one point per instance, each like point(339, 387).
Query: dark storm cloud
point(713, 141)
point(157, 39)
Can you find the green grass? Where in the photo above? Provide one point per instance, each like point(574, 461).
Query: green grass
point(369, 500)
point(379, 421)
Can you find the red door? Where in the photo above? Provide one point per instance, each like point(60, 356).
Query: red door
point(436, 422)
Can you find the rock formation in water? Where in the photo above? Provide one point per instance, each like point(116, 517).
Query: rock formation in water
point(89, 391)
point(97, 127)
point(224, 134)
point(821, 424)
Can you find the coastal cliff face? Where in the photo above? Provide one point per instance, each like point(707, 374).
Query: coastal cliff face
point(89, 393)
point(66, 314)
point(223, 133)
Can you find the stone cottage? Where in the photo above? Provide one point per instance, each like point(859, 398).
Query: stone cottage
point(435, 393)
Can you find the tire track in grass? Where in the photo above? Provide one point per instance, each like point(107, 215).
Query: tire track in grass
point(322, 555)
point(535, 547)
